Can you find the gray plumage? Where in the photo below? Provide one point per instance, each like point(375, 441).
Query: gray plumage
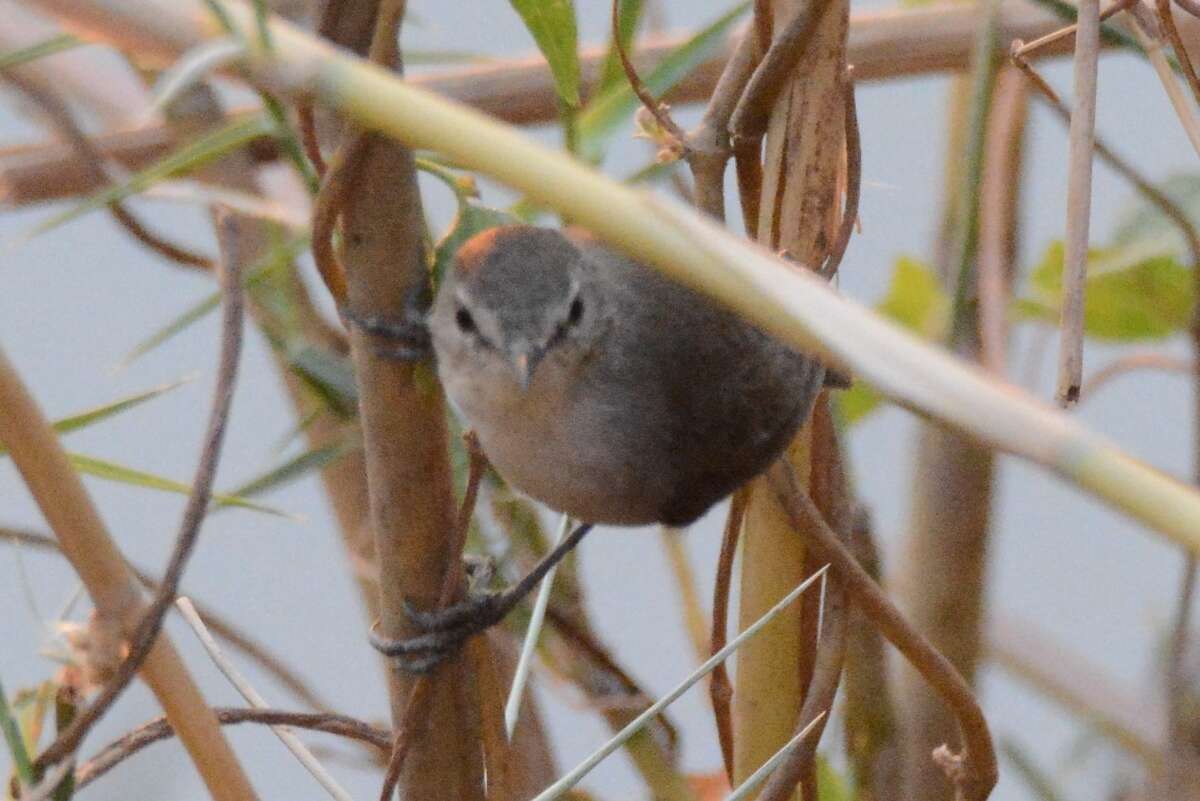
point(602, 388)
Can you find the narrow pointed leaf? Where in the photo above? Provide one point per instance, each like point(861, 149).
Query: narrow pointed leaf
point(110, 471)
point(16, 744)
point(552, 25)
point(307, 462)
point(201, 151)
point(47, 47)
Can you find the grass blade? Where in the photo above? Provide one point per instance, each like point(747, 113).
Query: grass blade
point(46, 47)
point(16, 743)
point(110, 471)
point(203, 150)
point(292, 469)
point(560, 787)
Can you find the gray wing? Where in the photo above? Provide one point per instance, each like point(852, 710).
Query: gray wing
point(712, 400)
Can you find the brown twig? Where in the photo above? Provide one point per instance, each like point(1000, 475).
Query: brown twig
point(719, 689)
point(871, 726)
point(749, 120)
point(159, 729)
point(1155, 196)
point(973, 770)
point(144, 636)
point(63, 122)
point(307, 123)
point(799, 766)
point(1080, 143)
point(707, 146)
point(1167, 23)
point(418, 697)
point(853, 186)
point(1143, 360)
point(657, 109)
point(224, 629)
point(1062, 33)
point(1190, 6)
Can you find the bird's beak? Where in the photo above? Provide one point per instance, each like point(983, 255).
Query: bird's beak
point(525, 362)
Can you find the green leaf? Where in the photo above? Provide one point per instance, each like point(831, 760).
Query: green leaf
point(552, 25)
point(87, 418)
point(1128, 296)
point(292, 469)
point(47, 47)
point(110, 471)
point(916, 300)
point(16, 743)
point(203, 150)
point(629, 14)
point(608, 110)
point(472, 218)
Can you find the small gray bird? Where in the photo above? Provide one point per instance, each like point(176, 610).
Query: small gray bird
point(602, 389)
point(605, 390)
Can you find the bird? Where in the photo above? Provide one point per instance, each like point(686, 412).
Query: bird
point(601, 388)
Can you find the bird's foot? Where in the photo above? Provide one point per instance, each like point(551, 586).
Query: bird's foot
point(443, 631)
point(407, 337)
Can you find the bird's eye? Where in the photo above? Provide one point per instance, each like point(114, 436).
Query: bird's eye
point(575, 312)
point(466, 323)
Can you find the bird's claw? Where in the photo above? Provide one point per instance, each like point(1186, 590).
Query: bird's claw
point(443, 631)
point(407, 336)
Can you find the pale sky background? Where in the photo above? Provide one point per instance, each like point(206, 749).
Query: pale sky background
point(74, 303)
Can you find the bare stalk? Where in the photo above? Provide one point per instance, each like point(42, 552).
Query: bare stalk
point(973, 770)
point(67, 508)
point(143, 638)
point(1079, 202)
point(160, 729)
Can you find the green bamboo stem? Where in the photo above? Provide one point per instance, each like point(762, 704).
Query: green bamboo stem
point(800, 309)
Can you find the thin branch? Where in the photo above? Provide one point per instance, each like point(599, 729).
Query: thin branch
point(719, 689)
point(63, 121)
point(973, 770)
point(657, 109)
point(224, 629)
point(749, 120)
point(255, 699)
point(159, 729)
point(144, 636)
point(818, 699)
point(1080, 143)
point(1143, 360)
point(1155, 196)
point(1167, 23)
point(1062, 33)
point(1190, 6)
point(706, 147)
point(1166, 76)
